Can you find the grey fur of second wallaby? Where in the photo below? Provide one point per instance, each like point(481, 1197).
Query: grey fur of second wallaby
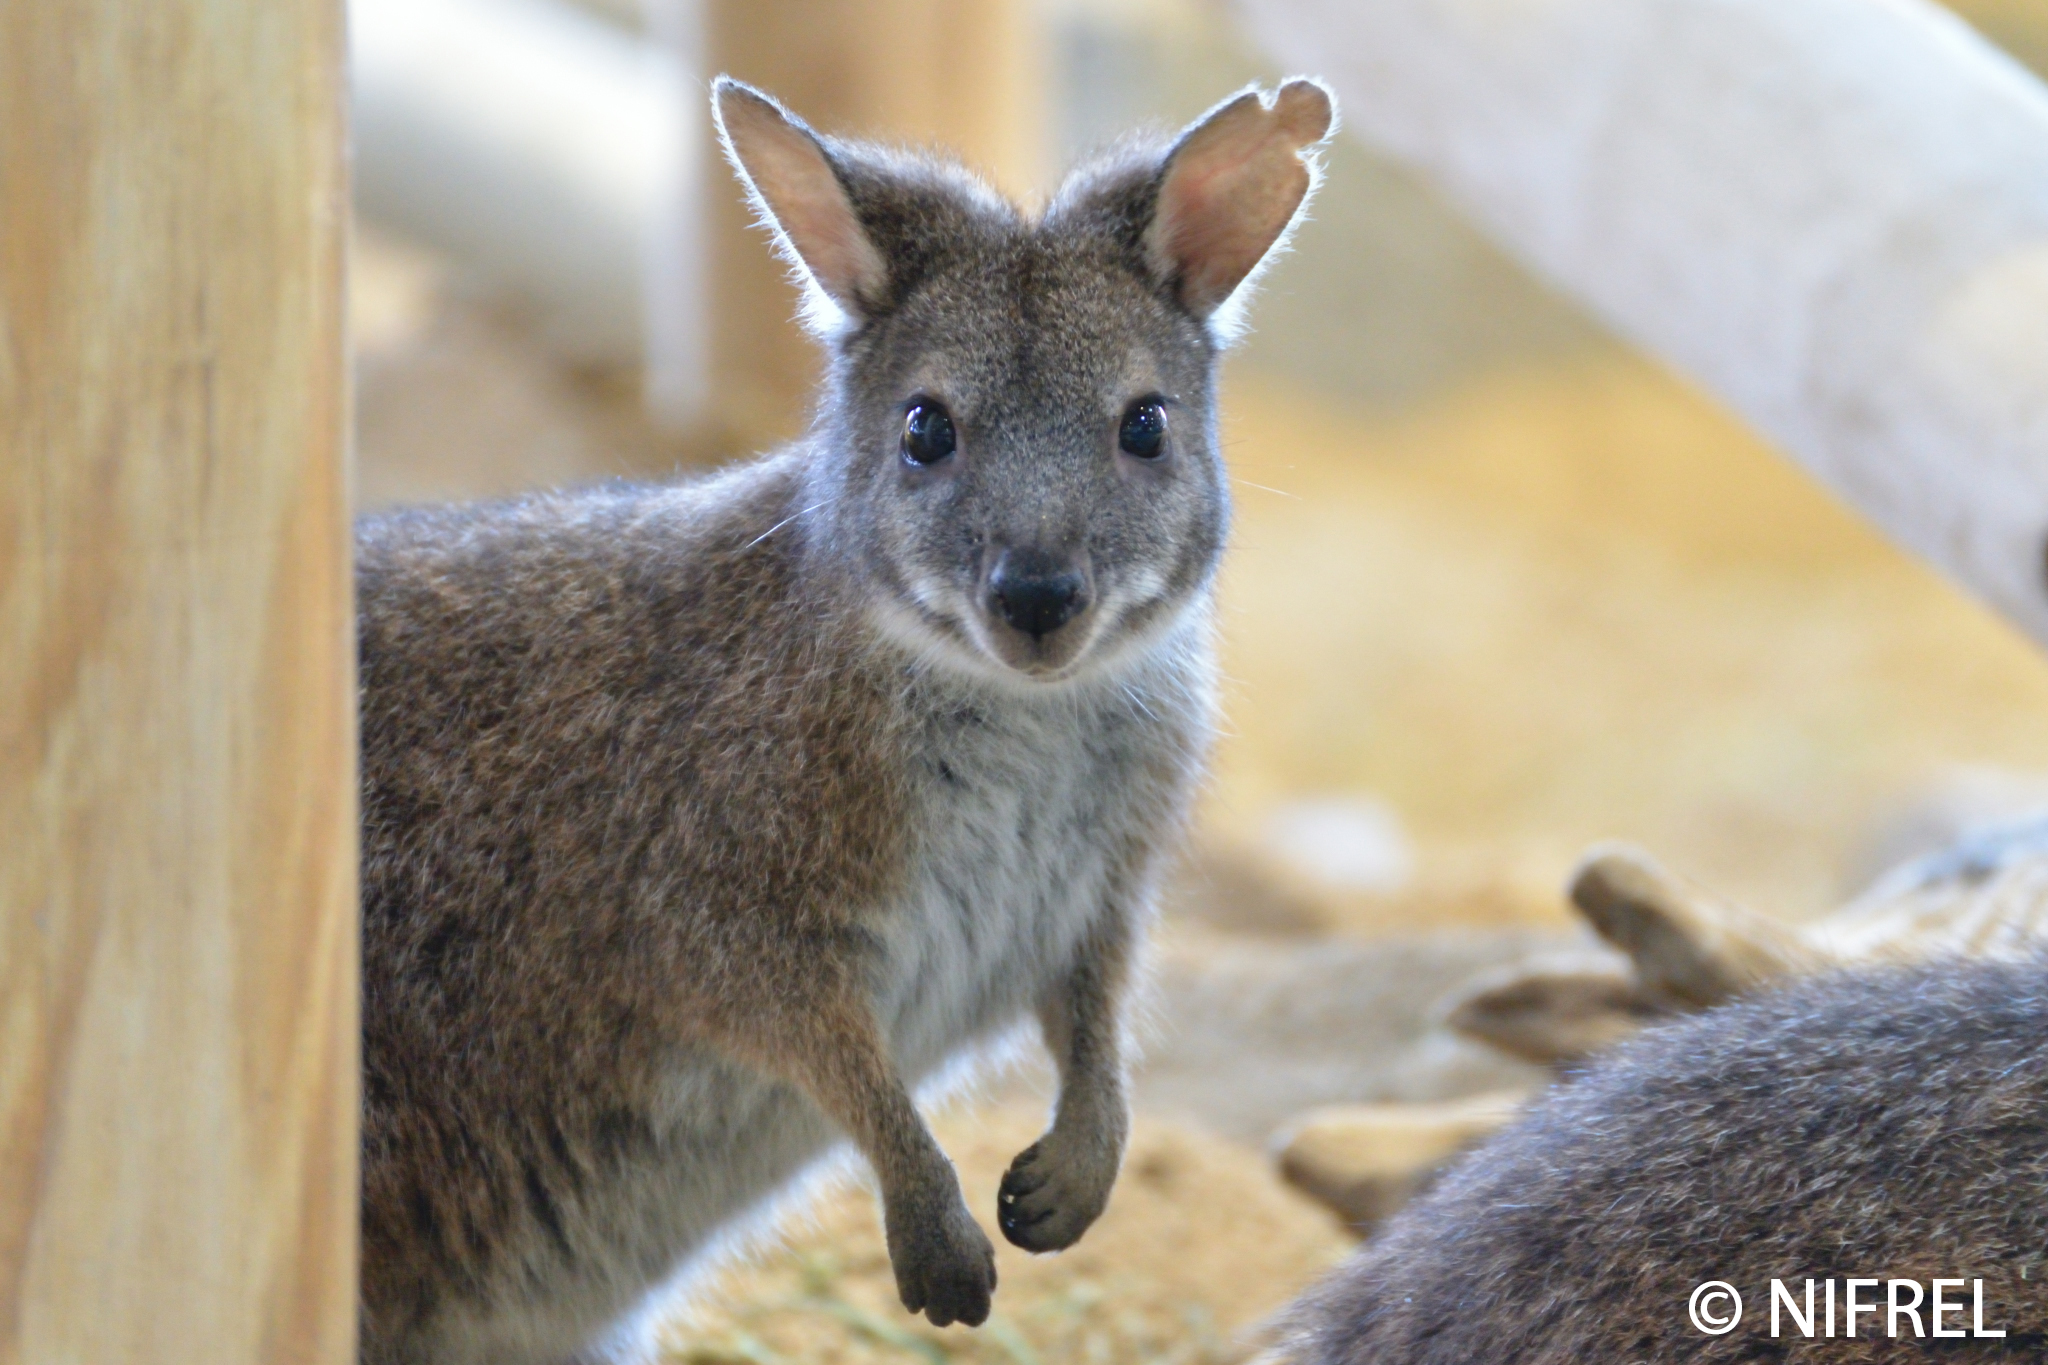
point(702, 822)
point(1880, 1124)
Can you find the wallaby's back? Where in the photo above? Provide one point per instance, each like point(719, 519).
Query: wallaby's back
point(614, 780)
point(1879, 1125)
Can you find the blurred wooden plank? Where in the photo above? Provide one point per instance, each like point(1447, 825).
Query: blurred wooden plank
point(177, 789)
point(1851, 253)
point(964, 75)
point(2018, 26)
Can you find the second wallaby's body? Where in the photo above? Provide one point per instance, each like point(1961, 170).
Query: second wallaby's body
point(701, 823)
point(1883, 1125)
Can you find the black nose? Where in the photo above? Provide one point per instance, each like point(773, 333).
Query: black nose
point(1035, 592)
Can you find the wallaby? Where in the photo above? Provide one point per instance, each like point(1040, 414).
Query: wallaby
point(702, 822)
point(1883, 1124)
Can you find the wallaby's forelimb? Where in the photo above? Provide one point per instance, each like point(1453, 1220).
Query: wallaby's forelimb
point(825, 1041)
point(1060, 1184)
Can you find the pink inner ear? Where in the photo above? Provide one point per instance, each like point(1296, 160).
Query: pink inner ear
point(796, 184)
point(1233, 186)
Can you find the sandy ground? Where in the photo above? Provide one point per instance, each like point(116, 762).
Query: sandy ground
point(1199, 1244)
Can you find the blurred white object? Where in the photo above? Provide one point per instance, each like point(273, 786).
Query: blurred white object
point(1355, 843)
point(676, 382)
point(550, 152)
point(394, 292)
point(1832, 213)
point(1948, 808)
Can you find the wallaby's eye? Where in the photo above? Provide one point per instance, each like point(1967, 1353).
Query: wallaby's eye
point(1143, 433)
point(928, 434)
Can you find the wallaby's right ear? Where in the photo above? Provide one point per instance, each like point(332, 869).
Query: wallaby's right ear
point(790, 176)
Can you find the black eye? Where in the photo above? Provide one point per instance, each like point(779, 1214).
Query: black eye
point(928, 434)
point(1143, 433)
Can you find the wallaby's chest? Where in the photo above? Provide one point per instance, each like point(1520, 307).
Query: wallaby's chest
point(1029, 820)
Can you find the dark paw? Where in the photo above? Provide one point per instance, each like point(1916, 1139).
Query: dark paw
point(945, 1268)
point(1046, 1203)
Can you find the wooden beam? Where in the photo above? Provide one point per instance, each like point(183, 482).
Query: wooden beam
point(1832, 214)
point(177, 790)
point(963, 75)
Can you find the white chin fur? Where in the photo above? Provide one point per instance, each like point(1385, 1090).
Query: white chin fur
point(1097, 657)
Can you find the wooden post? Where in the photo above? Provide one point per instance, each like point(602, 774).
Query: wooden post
point(963, 75)
point(177, 775)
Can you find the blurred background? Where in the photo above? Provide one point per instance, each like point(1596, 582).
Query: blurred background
point(1499, 586)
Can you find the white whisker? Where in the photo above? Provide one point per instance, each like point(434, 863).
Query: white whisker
point(784, 522)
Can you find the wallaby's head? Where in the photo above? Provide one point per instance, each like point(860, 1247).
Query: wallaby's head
point(1016, 452)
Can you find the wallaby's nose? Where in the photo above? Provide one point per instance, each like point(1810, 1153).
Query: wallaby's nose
point(1037, 592)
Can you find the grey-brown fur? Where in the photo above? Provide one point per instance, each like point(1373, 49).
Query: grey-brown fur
point(701, 823)
point(1889, 1124)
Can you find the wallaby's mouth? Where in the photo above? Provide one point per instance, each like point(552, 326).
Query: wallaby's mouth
point(1037, 619)
point(1036, 610)
point(1045, 658)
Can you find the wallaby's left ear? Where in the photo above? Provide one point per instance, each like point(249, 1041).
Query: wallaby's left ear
point(1230, 191)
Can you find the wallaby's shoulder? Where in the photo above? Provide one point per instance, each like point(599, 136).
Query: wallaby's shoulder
point(553, 554)
point(548, 679)
point(676, 596)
